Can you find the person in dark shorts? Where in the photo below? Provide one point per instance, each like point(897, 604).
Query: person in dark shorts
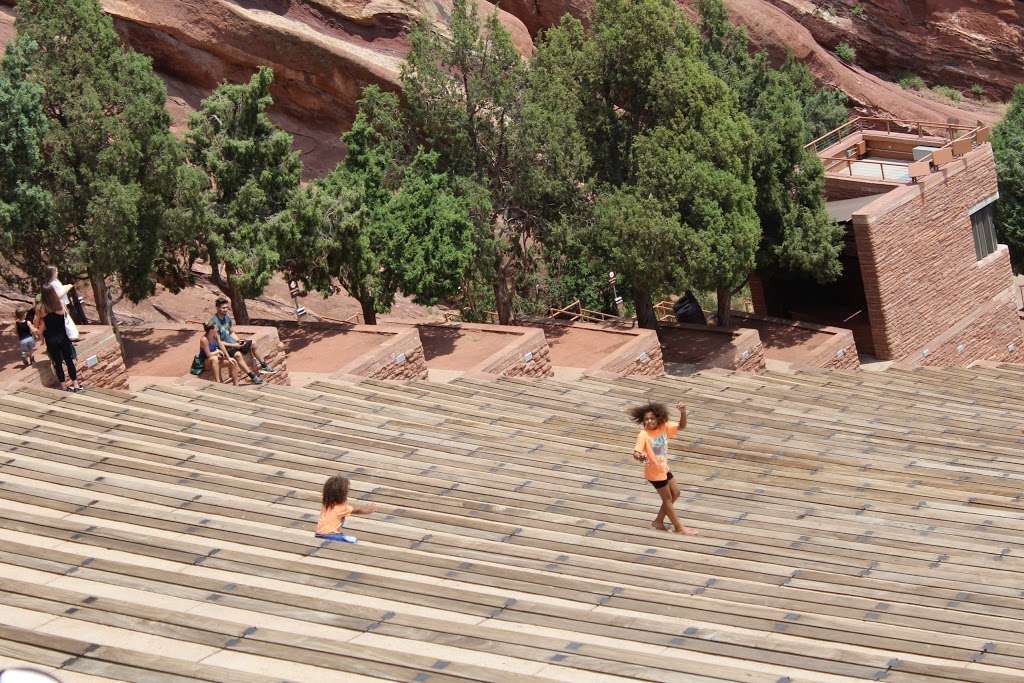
point(232, 346)
point(652, 449)
point(58, 344)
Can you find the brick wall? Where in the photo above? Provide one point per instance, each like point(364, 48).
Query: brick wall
point(538, 365)
point(100, 362)
point(994, 334)
point(267, 343)
point(741, 348)
point(400, 357)
point(640, 355)
point(845, 358)
point(640, 358)
point(917, 258)
point(414, 366)
point(754, 361)
point(837, 187)
point(832, 347)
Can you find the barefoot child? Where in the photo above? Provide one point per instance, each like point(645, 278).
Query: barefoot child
point(335, 509)
point(652, 450)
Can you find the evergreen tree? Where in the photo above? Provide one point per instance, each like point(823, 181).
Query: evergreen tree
point(666, 138)
point(378, 223)
point(1008, 147)
point(824, 108)
point(108, 158)
point(507, 137)
point(251, 173)
point(26, 224)
point(798, 235)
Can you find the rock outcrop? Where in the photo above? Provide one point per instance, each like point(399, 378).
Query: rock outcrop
point(324, 52)
point(958, 43)
point(965, 43)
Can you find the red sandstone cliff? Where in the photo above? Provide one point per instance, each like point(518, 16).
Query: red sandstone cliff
point(324, 51)
point(958, 43)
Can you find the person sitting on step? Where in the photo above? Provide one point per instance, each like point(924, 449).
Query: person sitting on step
point(215, 357)
point(235, 348)
point(336, 509)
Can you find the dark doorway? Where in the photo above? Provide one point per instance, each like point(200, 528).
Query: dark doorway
point(839, 304)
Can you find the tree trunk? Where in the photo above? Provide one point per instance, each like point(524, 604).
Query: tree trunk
point(238, 307)
point(101, 293)
point(369, 311)
point(724, 295)
point(645, 315)
point(503, 298)
point(215, 269)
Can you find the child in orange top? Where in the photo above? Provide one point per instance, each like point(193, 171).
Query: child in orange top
point(335, 509)
point(652, 449)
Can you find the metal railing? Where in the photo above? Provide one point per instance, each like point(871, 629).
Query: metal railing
point(922, 129)
point(833, 163)
point(956, 135)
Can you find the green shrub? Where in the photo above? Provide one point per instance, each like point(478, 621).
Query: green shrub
point(857, 11)
point(947, 92)
point(909, 81)
point(977, 90)
point(845, 52)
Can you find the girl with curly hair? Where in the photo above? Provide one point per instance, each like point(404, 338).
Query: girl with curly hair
point(652, 449)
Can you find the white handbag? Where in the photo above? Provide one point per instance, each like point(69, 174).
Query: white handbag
point(70, 328)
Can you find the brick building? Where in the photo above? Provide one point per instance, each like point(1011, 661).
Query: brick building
point(924, 280)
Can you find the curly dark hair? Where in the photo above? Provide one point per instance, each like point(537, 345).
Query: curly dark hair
point(335, 491)
point(636, 414)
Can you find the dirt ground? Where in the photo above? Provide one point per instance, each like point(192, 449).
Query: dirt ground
point(451, 348)
point(689, 346)
point(160, 353)
point(325, 351)
point(578, 348)
point(787, 343)
point(10, 357)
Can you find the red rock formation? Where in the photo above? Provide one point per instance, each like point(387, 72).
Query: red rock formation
point(957, 43)
point(771, 28)
point(323, 52)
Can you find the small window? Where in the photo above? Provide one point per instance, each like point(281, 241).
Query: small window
point(983, 226)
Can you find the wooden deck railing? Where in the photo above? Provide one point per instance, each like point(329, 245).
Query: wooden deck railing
point(576, 312)
point(960, 139)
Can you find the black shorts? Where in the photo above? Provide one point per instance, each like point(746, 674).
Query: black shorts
point(663, 483)
point(244, 346)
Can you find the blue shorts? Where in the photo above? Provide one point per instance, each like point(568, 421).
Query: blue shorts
point(343, 538)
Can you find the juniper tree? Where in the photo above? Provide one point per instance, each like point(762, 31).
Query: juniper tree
point(797, 234)
point(380, 222)
point(1008, 147)
point(26, 224)
point(251, 173)
point(667, 139)
point(107, 158)
point(506, 137)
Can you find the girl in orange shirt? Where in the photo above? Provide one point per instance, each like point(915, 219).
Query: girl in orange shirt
point(652, 449)
point(336, 509)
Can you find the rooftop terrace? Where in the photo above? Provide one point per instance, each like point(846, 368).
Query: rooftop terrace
point(894, 151)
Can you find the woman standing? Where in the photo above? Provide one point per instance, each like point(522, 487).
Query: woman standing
point(58, 345)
